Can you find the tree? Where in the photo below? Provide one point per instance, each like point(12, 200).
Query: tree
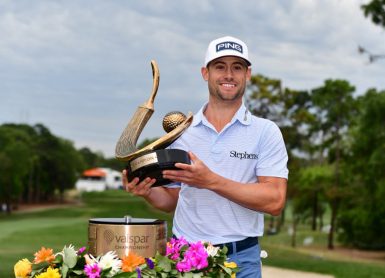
point(375, 9)
point(311, 182)
point(35, 164)
point(334, 108)
point(363, 220)
point(15, 159)
point(91, 159)
point(68, 164)
point(265, 98)
point(289, 109)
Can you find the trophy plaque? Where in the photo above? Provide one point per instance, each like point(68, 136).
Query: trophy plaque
point(151, 160)
point(144, 237)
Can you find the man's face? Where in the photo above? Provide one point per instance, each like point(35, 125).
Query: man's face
point(226, 77)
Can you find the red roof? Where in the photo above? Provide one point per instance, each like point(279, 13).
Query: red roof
point(94, 172)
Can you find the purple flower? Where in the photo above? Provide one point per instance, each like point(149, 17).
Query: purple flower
point(150, 263)
point(139, 272)
point(92, 270)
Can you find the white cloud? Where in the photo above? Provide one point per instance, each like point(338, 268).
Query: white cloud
point(82, 67)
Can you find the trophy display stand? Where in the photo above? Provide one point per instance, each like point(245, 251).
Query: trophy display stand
point(144, 237)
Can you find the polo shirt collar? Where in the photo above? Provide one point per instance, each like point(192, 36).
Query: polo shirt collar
point(243, 116)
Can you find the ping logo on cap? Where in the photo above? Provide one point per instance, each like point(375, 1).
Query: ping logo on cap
point(229, 46)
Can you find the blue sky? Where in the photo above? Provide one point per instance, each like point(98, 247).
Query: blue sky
point(82, 67)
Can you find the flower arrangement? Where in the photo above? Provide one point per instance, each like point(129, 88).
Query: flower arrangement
point(182, 259)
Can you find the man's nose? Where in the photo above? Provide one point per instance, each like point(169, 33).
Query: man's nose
point(229, 73)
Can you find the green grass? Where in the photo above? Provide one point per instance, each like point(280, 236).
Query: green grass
point(22, 234)
point(315, 257)
point(293, 259)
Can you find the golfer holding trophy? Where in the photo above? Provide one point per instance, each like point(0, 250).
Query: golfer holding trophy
point(237, 168)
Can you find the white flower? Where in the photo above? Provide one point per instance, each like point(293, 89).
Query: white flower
point(69, 256)
point(263, 254)
point(62, 253)
point(110, 259)
point(212, 250)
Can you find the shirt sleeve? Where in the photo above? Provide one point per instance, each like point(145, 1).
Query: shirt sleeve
point(272, 158)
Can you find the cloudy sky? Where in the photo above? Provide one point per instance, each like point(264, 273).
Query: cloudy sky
point(82, 67)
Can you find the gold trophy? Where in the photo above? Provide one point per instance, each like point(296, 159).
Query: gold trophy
point(151, 160)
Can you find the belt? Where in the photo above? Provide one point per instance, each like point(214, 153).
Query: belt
point(240, 245)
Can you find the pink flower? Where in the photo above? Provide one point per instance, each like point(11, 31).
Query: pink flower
point(81, 250)
point(92, 270)
point(174, 247)
point(197, 255)
point(183, 266)
point(194, 257)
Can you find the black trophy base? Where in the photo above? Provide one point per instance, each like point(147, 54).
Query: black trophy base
point(152, 164)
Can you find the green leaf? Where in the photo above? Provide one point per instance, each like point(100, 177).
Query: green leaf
point(40, 266)
point(125, 275)
point(226, 269)
point(163, 263)
point(78, 272)
point(164, 275)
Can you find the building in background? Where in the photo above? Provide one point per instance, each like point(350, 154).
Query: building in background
point(99, 179)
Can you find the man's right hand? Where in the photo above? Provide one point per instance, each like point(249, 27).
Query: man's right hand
point(136, 187)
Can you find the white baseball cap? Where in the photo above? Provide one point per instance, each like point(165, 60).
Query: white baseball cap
point(227, 46)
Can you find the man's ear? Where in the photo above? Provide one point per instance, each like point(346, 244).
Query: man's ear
point(205, 73)
point(248, 73)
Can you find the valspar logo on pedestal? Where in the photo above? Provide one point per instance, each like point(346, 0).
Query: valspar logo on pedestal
point(132, 242)
point(108, 236)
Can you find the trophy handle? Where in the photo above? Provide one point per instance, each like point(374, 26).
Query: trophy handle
point(127, 141)
point(163, 141)
point(155, 84)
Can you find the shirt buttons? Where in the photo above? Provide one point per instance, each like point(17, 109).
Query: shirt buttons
point(216, 152)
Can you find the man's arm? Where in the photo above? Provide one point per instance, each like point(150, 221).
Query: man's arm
point(162, 198)
point(267, 195)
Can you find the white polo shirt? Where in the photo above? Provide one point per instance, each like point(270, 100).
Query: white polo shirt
point(247, 147)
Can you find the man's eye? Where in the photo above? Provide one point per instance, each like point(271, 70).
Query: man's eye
point(237, 68)
point(219, 67)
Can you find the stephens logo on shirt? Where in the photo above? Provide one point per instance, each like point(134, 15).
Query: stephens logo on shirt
point(243, 155)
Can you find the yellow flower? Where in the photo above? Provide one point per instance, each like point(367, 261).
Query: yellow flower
point(22, 268)
point(50, 273)
point(44, 255)
point(230, 264)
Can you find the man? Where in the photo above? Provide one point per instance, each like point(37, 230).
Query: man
point(238, 170)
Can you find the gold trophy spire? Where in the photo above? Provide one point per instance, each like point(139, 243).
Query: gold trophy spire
point(126, 146)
